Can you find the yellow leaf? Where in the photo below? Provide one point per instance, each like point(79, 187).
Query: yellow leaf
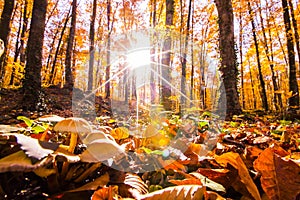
point(120, 133)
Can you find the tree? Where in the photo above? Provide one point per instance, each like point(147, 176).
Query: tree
point(166, 57)
point(5, 30)
point(263, 92)
point(109, 29)
point(293, 85)
point(32, 81)
point(69, 52)
point(227, 53)
point(92, 46)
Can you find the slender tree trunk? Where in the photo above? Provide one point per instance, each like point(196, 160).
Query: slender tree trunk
point(296, 34)
point(17, 49)
point(227, 52)
point(23, 34)
point(183, 58)
point(293, 85)
point(241, 57)
point(107, 70)
point(252, 88)
point(4, 32)
point(92, 47)
point(152, 52)
point(58, 48)
point(277, 98)
point(69, 52)
point(261, 79)
point(32, 81)
point(192, 55)
point(166, 57)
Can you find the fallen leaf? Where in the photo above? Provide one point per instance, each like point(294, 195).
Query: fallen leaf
point(94, 185)
point(188, 181)
point(120, 133)
point(225, 177)
point(19, 161)
point(279, 178)
point(209, 183)
point(236, 161)
point(106, 193)
point(187, 192)
point(34, 147)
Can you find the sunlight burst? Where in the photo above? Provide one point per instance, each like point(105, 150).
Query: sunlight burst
point(138, 58)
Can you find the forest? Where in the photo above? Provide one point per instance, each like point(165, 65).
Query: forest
point(149, 99)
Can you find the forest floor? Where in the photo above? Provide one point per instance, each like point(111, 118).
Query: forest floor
point(255, 156)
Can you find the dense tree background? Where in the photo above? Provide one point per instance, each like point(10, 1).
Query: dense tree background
point(250, 46)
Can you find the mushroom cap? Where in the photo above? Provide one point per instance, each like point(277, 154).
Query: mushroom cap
point(100, 150)
point(50, 118)
point(73, 125)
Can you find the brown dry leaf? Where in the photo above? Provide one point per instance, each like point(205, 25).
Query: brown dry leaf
point(106, 193)
point(19, 161)
point(236, 161)
point(223, 176)
point(94, 185)
point(188, 181)
point(187, 192)
point(213, 196)
point(280, 178)
point(134, 181)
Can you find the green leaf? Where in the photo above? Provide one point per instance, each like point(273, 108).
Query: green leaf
point(38, 129)
point(147, 150)
point(203, 123)
point(27, 121)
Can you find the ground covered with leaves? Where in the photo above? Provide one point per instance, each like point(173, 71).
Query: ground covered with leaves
point(196, 156)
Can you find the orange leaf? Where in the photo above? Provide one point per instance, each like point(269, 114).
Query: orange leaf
point(236, 161)
point(279, 178)
point(188, 181)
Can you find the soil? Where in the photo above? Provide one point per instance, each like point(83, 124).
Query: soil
point(53, 100)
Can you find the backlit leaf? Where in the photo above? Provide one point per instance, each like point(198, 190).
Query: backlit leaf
point(236, 161)
point(279, 178)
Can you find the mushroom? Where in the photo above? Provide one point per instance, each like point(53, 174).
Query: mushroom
point(53, 119)
point(74, 126)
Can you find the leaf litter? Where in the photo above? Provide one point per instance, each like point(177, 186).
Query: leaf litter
point(249, 159)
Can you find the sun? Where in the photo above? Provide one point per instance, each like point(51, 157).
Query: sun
point(138, 58)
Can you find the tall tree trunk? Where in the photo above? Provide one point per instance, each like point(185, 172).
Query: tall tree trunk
point(69, 52)
point(261, 78)
point(17, 49)
point(166, 57)
point(277, 98)
point(241, 56)
point(293, 85)
point(32, 81)
point(252, 88)
point(192, 55)
point(4, 32)
point(92, 46)
point(23, 34)
point(296, 34)
point(183, 58)
point(228, 66)
point(107, 70)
